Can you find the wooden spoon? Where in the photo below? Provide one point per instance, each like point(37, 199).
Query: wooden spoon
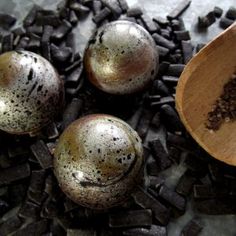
point(200, 84)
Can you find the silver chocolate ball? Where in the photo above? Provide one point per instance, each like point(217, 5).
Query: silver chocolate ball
point(121, 58)
point(98, 160)
point(31, 92)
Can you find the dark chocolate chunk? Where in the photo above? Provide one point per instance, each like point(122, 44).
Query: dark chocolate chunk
point(156, 120)
point(209, 191)
point(113, 6)
point(149, 24)
point(79, 8)
point(160, 154)
point(10, 225)
point(163, 67)
point(7, 20)
point(7, 42)
point(75, 64)
point(12, 174)
point(134, 11)
point(192, 228)
point(225, 22)
point(143, 124)
point(161, 88)
point(160, 21)
point(34, 43)
point(163, 100)
point(231, 13)
point(123, 5)
point(29, 210)
point(46, 51)
point(51, 131)
point(152, 98)
point(172, 198)
point(37, 180)
point(48, 19)
point(219, 206)
point(41, 152)
point(187, 49)
point(206, 21)
point(70, 42)
point(36, 197)
point(154, 230)
point(160, 40)
point(185, 184)
point(49, 209)
point(22, 43)
point(61, 54)
point(155, 182)
point(182, 35)
point(73, 18)
point(74, 91)
point(179, 142)
point(175, 69)
point(19, 31)
point(152, 168)
point(134, 218)
point(163, 52)
point(170, 118)
point(178, 25)
point(166, 33)
point(34, 228)
point(170, 80)
point(179, 9)
point(134, 119)
point(30, 18)
point(218, 11)
point(71, 112)
point(101, 15)
point(97, 6)
point(62, 30)
point(145, 200)
point(35, 29)
point(74, 76)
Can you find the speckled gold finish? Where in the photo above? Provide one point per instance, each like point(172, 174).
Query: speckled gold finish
point(98, 160)
point(31, 92)
point(121, 58)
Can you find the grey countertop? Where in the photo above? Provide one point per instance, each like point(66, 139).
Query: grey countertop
point(213, 225)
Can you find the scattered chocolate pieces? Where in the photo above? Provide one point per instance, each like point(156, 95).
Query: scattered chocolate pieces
point(28, 187)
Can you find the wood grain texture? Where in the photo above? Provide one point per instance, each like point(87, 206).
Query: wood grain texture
point(200, 84)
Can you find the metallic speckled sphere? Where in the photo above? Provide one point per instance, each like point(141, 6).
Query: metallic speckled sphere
point(98, 160)
point(31, 92)
point(121, 58)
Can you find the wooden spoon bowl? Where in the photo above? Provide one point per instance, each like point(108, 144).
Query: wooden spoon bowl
point(199, 86)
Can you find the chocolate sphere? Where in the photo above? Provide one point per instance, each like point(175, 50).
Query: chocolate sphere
point(30, 92)
point(121, 58)
point(98, 160)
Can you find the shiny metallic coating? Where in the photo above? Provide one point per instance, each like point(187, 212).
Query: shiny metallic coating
point(98, 160)
point(121, 58)
point(31, 92)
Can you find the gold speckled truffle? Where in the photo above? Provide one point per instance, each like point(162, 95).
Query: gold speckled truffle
point(31, 92)
point(121, 58)
point(98, 160)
